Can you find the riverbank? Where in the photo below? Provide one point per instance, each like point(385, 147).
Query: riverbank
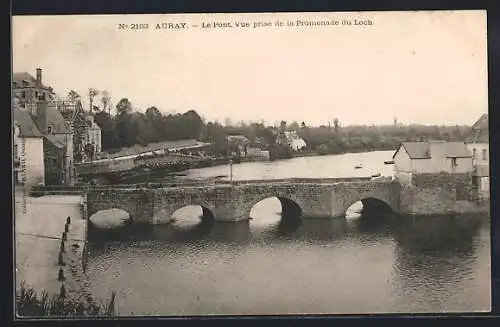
point(39, 227)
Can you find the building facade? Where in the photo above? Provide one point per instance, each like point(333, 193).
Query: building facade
point(29, 165)
point(93, 135)
point(431, 157)
point(293, 140)
point(87, 135)
point(28, 89)
point(478, 145)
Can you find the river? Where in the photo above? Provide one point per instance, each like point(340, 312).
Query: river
point(353, 265)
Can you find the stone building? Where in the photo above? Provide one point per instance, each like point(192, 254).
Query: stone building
point(431, 157)
point(478, 145)
point(28, 89)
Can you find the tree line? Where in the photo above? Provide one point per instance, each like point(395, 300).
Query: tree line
point(127, 127)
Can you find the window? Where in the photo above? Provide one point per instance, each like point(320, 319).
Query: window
point(474, 153)
point(16, 154)
point(49, 130)
point(454, 162)
point(485, 154)
point(23, 94)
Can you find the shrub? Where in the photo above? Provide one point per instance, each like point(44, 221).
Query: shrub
point(30, 304)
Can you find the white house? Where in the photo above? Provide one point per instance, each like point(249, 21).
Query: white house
point(478, 145)
point(295, 141)
point(29, 167)
point(431, 157)
point(93, 133)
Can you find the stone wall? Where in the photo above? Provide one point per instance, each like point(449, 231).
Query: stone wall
point(440, 194)
point(444, 179)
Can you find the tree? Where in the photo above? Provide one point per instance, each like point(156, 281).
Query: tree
point(294, 126)
point(123, 107)
point(107, 125)
point(92, 93)
point(336, 126)
point(73, 96)
point(106, 101)
point(125, 129)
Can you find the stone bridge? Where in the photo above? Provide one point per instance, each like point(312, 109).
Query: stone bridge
point(234, 201)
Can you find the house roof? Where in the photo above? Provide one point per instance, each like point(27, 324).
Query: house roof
point(415, 150)
point(481, 123)
point(426, 150)
point(56, 120)
point(455, 150)
point(27, 127)
point(24, 79)
point(55, 141)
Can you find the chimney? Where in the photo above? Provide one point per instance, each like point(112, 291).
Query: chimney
point(38, 77)
point(41, 117)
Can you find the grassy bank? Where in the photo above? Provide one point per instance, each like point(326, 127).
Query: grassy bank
point(31, 304)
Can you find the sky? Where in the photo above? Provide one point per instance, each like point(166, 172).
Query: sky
point(418, 67)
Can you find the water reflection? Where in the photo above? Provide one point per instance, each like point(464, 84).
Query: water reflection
point(433, 259)
point(321, 229)
point(231, 232)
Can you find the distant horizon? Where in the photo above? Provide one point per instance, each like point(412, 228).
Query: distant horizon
point(422, 68)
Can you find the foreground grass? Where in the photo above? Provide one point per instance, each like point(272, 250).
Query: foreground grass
point(30, 304)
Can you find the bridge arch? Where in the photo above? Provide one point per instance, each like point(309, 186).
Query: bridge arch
point(110, 218)
point(200, 211)
point(290, 207)
point(372, 205)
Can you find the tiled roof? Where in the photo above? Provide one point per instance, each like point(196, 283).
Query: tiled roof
point(54, 118)
point(481, 123)
point(55, 141)
point(27, 127)
point(416, 150)
point(455, 150)
point(426, 150)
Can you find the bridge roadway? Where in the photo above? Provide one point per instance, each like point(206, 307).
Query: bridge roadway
point(233, 201)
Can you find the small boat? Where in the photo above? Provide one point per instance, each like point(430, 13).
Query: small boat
point(375, 175)
point(389, 162)
point(358, 166)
